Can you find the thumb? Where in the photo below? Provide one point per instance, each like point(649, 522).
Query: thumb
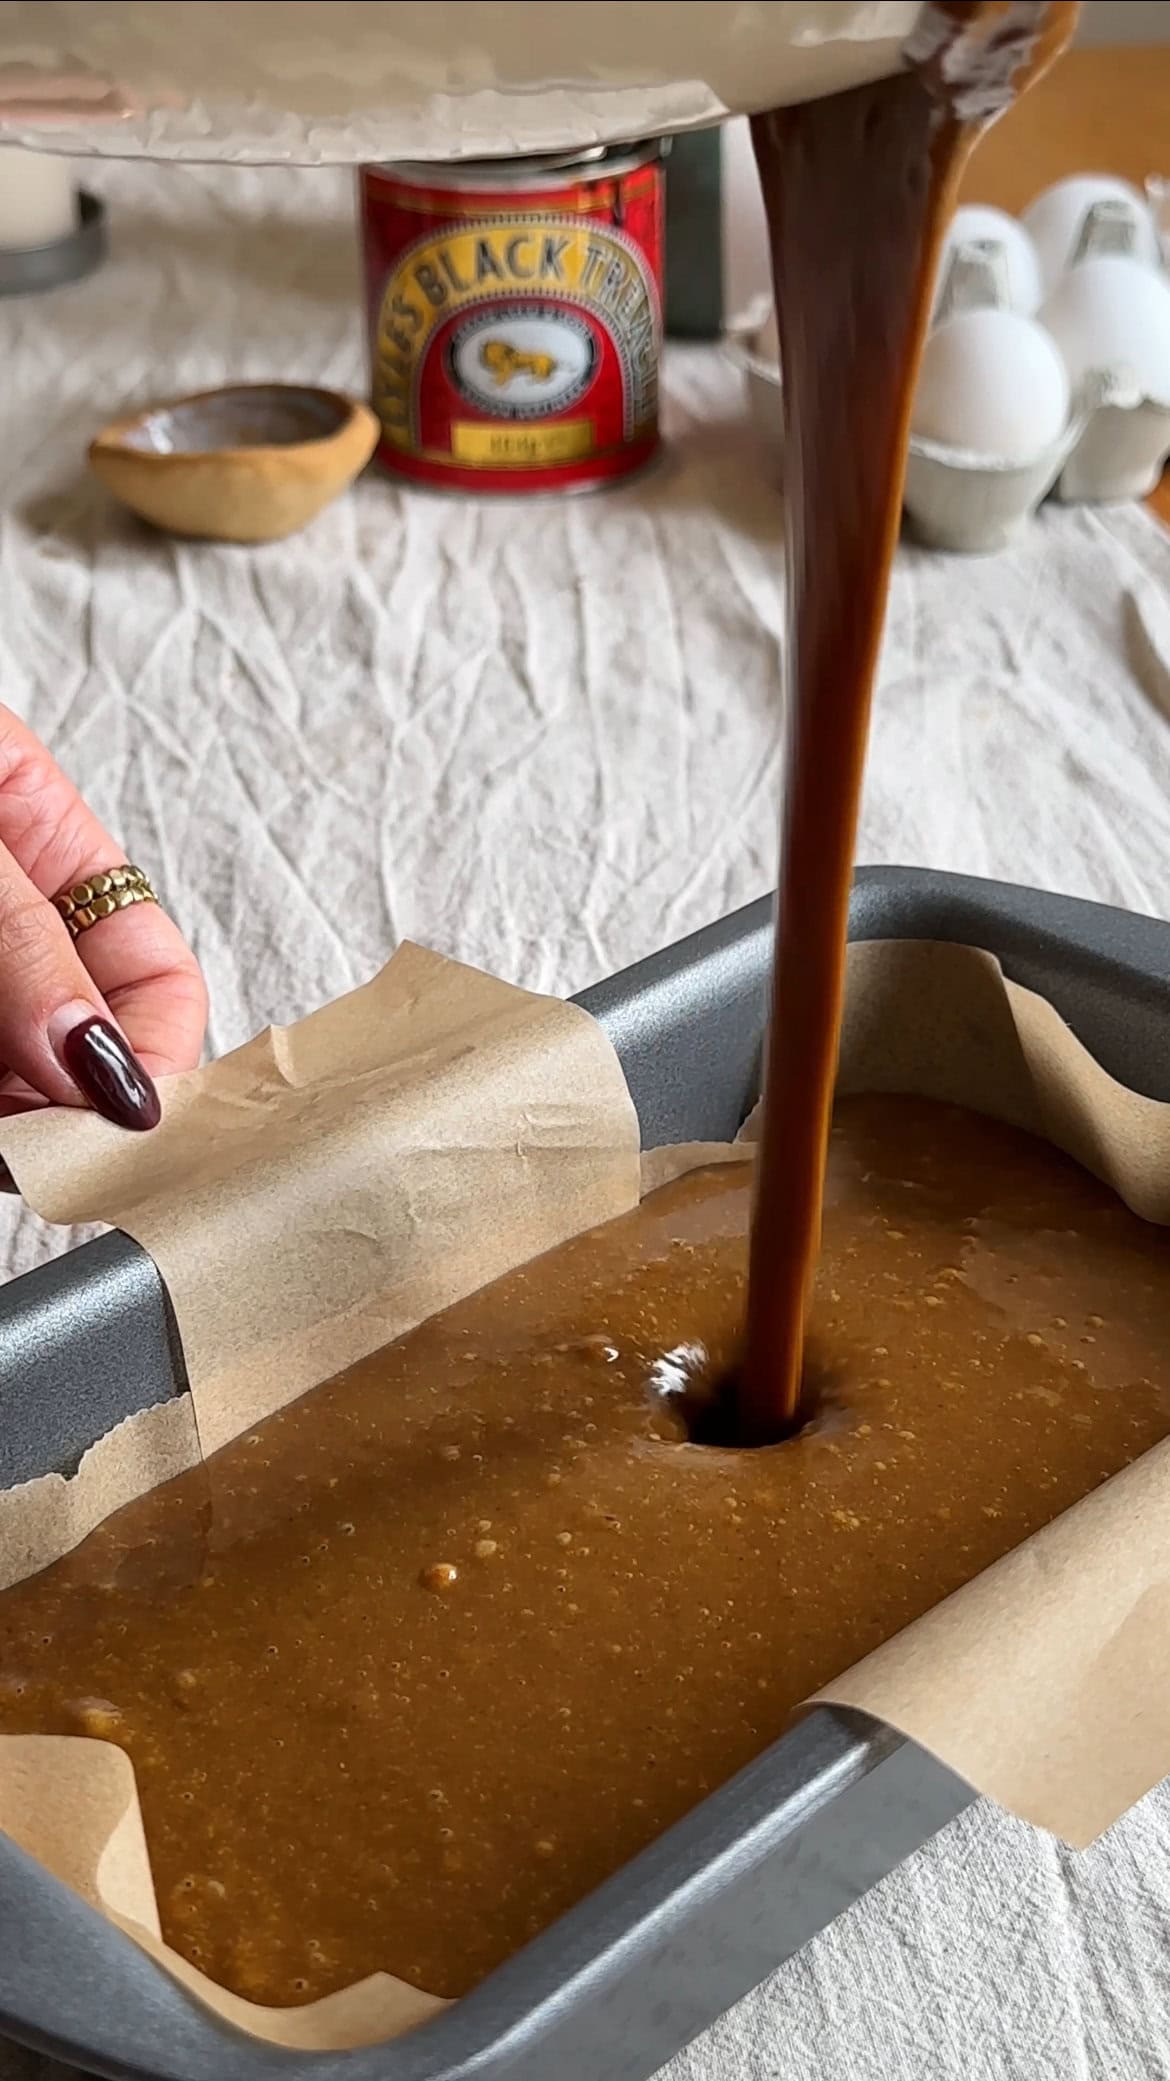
point(56, 1031)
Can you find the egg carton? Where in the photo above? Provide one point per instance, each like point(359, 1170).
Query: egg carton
point(1093, 244)
point(1083, 270)
point(751, 344)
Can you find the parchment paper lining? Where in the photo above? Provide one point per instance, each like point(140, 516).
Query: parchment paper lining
point(333, 1183)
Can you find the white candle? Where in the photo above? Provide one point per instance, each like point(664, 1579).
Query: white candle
point(38, 201)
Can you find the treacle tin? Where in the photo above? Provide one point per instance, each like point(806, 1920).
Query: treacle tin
point(515, 311)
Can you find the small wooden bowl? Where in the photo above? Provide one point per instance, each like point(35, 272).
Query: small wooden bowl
point(246, 464)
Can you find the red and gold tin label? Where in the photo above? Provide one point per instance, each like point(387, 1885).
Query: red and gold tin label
point(516, 320)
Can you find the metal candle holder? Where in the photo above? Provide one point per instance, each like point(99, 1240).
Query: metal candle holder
point(26, 271)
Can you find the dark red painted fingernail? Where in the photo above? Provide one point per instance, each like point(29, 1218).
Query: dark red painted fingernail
point(109, 1075)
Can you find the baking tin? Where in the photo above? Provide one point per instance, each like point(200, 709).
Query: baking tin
point(632, 1973)
point(515, 318)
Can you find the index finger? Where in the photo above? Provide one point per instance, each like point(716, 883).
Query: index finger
point(137, 958)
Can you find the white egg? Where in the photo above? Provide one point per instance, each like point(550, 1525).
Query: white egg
point(978, 223)
point(1055, 222)
point(993, 384)
point(1113, 315)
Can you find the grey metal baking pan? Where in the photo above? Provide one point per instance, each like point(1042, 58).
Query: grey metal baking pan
point(723, 1899)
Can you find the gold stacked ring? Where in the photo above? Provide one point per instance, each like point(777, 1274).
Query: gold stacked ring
point(87, 903)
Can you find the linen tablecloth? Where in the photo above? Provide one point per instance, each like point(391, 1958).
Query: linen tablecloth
point(546, 738)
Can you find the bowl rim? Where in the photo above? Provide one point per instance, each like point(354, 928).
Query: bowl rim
point(111, 440)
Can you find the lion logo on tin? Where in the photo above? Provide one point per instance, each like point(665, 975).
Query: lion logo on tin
point(504, 362)
point(522, 361)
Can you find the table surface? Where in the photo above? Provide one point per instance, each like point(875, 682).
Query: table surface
point(548, 740)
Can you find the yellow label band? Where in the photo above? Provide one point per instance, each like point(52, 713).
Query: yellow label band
point(485, 447)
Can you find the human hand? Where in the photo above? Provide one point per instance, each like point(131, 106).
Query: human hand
point(90, 1021)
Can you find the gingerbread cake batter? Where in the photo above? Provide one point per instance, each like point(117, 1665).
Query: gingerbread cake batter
point(858, 189)
point(413, 1666)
